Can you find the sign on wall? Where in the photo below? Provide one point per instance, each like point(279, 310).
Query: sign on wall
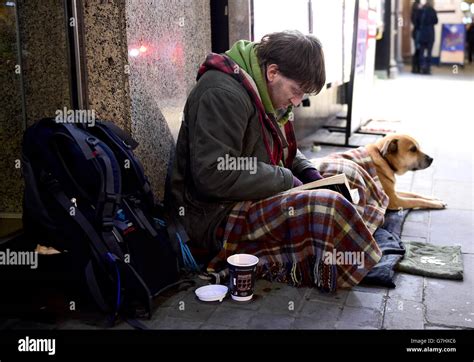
point(452, 44)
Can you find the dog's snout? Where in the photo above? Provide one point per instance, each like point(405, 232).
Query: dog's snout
point(428, 160)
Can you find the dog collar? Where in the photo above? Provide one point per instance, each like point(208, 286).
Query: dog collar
point(389, 164)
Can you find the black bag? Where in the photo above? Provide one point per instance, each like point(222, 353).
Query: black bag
point(87, 196)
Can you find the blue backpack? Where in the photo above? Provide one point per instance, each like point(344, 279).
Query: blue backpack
point(87, 196)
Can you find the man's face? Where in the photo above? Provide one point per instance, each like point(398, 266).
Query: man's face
point(282, 90)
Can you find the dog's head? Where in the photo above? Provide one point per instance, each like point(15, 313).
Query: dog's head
point(403, 153)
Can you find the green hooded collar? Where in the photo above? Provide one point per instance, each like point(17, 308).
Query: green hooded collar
point(244, 54)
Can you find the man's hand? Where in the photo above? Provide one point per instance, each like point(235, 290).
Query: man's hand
point(309, 175)
point(296, 182)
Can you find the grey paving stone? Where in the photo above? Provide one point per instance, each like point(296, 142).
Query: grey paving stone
point(271, 321)
point(359, 318)
point(215, 327)
point(74, 324)
point(318, 315)
point(422, 182)
point(408, 287)
point(458, 195)
point(370, 289)
point(289, 291)
point(403, 314)
point(339, 297)
point(420, 216)
point(454, 166)
point(84, 321)
point(365, 300)
point(414, 238)
point(231, 317)
point(281, 305)
point(424, 176)
point(176, 323)
point(172, 299)
point(192, 308)
point(313, 324)
point(439, 327)
point(415, 229)
point(453, 227)
point(424, 189)
point(263, 286)
point(451, 303)
point(253, 304)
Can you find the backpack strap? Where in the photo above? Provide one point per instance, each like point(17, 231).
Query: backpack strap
point(116, 134)
point(98, 249)
point(110, 197)
point(126, 138)
point(100, 253)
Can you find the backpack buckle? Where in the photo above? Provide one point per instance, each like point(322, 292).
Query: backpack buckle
point(107, 223)
point(115, 198)
point(92, 141)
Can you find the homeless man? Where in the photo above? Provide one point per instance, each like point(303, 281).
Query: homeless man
point(241, 109)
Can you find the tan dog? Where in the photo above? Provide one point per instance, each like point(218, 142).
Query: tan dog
point(397, 154)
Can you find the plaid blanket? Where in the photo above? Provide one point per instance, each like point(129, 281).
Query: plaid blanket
point(314, 237)
point(362, 175)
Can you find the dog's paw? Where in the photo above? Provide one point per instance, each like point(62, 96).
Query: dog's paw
point(438, 204)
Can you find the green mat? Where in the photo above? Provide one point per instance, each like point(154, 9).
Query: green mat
point(432, 261)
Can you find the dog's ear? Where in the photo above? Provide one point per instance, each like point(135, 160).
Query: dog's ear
point(389, 147)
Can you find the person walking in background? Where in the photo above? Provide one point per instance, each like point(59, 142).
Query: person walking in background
point(426, 20)
point(415, 60)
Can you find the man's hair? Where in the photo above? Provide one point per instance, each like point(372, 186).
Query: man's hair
point(298, 57)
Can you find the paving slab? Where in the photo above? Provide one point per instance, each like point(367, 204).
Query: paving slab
point(453, 227)
point(403, 314)
point(408, 287)
point(365, 300)
point(271, 321)
point(192, 308)
point(414, 238)
point(451, 303)
point(215, 327)
point(458, 195)
point(176, 323)
point(339, 297)
point(367, 288)
point(318, 315)
point(281, 305)
point(455, 166)
point(435, 327)
point(417, 229)
point(253, 304)
point(359, 318)
point(231, 317)
point(419, 216)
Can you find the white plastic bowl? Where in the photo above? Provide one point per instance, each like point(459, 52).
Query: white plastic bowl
point(211, 293)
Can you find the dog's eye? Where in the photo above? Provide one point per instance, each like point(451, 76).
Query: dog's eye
point(413, 149)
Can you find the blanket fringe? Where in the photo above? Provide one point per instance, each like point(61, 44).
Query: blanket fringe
point(298, 274)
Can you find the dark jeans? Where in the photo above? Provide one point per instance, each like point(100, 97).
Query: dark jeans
point(425, 60)
point(415, 61)
point(470, 49)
